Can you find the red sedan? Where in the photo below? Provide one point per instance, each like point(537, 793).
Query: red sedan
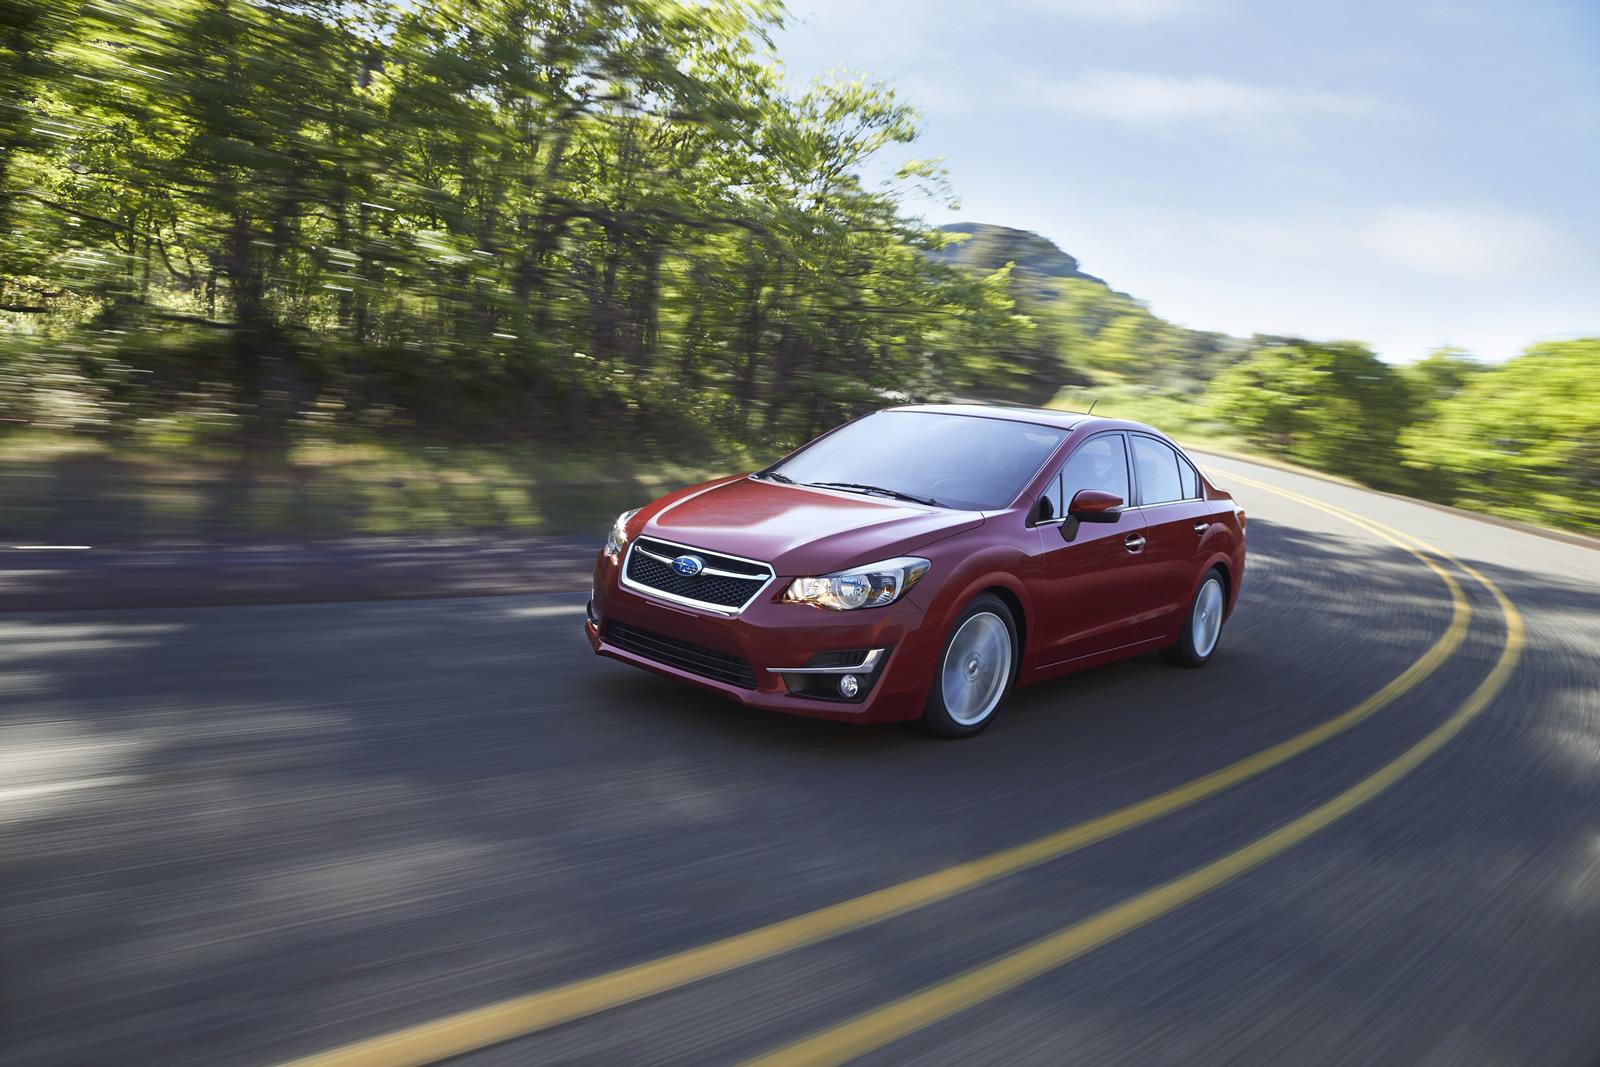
point(920, 561)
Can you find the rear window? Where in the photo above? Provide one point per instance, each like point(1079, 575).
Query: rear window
point(962, 461)
point(1191, 480)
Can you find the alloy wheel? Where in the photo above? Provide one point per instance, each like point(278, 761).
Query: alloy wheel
point(977, 666)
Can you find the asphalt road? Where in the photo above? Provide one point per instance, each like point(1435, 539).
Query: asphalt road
point(239, 835)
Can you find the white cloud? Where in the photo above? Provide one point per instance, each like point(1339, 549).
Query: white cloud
point(1130, 96)
point(1465, 242)
point(1116, 10)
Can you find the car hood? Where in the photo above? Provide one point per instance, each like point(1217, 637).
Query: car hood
point(800, 530)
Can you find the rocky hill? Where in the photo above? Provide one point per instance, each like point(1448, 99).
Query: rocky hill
point(1083, 327)
point(989, 247)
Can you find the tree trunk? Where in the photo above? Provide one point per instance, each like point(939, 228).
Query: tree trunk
point(647, 318)
point(750, 331)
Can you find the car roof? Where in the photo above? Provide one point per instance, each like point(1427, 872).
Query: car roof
point(1062, 420)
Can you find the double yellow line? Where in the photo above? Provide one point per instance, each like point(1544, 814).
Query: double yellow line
point(877, 1028)
point(519, 1016)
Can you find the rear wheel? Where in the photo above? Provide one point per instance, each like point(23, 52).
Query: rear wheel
point(1202, 627)
point(975, 670)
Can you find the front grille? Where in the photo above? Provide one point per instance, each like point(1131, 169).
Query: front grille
point(715, 560)
point(647, 568)
point(686, 656)
point(707, 588)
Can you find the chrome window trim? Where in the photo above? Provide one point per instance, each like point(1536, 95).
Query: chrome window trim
point(1125, 509)
point(868, 664)
point(701, 605)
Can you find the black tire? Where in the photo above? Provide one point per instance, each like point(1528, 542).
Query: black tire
point(1185, 653)
point(937, 718)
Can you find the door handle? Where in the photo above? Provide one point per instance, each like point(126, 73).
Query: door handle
point(1201, 527)
point(1134, 543)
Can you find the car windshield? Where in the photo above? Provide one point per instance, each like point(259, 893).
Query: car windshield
point(959, 461)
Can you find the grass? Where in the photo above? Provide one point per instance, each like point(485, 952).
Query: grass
point(72, 488)
point(177, 482)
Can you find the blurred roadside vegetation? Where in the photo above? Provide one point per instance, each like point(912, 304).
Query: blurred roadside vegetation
point(1519, 439)
point(312, 268)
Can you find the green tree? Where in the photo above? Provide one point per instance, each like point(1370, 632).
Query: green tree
point(1522, 438)
point(1438, 376)
point(1334, 406)
point(516, 216)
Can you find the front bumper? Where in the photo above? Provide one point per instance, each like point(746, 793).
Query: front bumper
point(769, 635)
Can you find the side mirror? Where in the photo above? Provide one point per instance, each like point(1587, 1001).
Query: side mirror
point(1092, 505)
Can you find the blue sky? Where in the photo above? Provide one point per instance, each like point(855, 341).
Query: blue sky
point(1408, 174)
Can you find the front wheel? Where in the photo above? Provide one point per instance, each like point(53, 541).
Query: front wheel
point(1202, 627)
point(975, 670)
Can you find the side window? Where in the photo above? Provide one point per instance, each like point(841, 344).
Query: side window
point(1050, 502)
point(1099, 463)
point(1191, 480)
point(1157, 465)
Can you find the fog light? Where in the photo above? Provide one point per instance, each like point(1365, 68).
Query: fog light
point(849, 686)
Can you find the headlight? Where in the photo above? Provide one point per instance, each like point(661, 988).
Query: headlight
point(871, 586)
point(618, 538)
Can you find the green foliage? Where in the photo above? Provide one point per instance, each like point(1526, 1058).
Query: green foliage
point(521, 217)
point(1523, 438)
point(1438, 376)
point(1334, 406)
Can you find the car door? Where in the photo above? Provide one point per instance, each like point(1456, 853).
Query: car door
point(1176, 519)
point(1093, 583)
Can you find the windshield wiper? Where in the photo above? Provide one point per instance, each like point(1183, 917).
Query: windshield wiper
point(879, 490)
point(775, 476)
